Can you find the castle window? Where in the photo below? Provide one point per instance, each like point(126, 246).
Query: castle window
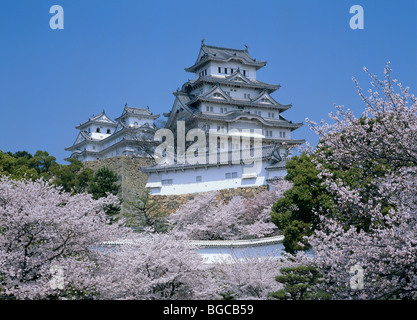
point(271, 115)
point(231, 70)
point(166, 182)
point(244, 73)
point(198, 179)
point(225, 70)
point(220, 70)
point(108, 131)
point(98, 130)
point(230, 175)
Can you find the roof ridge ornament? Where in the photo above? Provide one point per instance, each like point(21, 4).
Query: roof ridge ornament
point(246, 47)
point(202, 41)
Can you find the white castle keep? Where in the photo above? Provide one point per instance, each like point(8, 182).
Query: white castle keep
point(101, 137)
point(224, 101)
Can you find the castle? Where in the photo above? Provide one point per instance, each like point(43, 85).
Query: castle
point(101, 137)
point(229, 105)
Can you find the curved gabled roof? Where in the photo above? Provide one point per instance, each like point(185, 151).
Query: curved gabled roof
point(243, 103)
point(265, 153)
point(235, 115)
point(141, 112)
point(232, 80)
point(213, 53)
point(101, 118)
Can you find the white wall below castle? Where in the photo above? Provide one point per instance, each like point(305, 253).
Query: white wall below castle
point(212, 178)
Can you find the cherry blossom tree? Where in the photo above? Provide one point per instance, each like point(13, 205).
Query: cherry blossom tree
point(156, 266)
point(207, 218)
point(52, 246)
point(42, 230)
point(248, 278)
point(373, 239)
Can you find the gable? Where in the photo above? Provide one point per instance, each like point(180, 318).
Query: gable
point(79, 139)
point(238, 77)
point(217, 93)
point(265, 98)
point(104, 119)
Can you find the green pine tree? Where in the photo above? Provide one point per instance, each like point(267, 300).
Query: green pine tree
point(300, 283)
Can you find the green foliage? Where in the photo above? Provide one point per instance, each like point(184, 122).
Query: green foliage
point(104, 182)
point(300, 283)
point(23, 165)
point(294, 213)
point(73, 177)
point(142, 216)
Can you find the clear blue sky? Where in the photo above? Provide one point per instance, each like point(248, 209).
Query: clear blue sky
point(116, 52)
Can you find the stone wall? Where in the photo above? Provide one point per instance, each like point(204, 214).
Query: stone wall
point(170, 203)
point(133, 184)
point(132, 180)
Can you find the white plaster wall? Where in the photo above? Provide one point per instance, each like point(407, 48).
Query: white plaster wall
point(213, 178)
point(130, 121)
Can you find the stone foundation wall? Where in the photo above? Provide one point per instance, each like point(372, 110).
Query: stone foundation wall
point(133, 184)
point(132, 181)
point(170, 203)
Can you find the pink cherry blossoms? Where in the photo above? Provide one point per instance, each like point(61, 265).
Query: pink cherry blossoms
point(206, 218)
point(379, 149)
point(57, 246)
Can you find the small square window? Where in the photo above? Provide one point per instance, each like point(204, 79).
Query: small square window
point(198, 179)
point(166, 182)
point(228, 175)
point(234, 174)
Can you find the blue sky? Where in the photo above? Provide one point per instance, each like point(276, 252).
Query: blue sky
point(116, 52)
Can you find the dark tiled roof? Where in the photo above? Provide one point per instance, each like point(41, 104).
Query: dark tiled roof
point(213, 53)
point(249, 84)
point(235, 115)
point(266, 153)
point(144, 112)
point(101, 118)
